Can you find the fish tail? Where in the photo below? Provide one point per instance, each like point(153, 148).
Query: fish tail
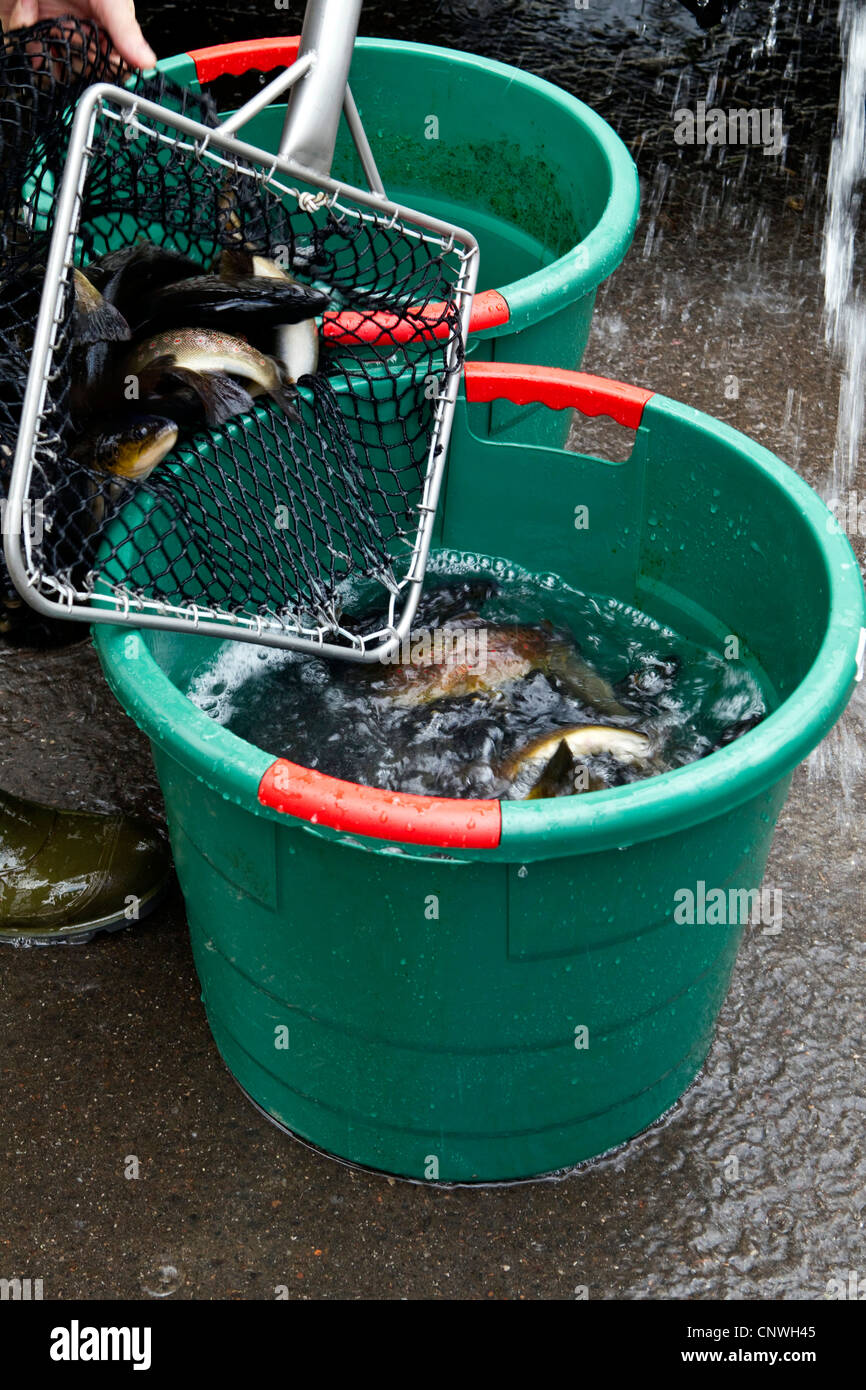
point(220, 395)
point(287, 397)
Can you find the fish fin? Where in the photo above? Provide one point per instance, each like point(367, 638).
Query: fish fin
point(235, 261)
point(164, 363)
point(152, 377)
point(95, 320)
point(559, 769)
point(286, 395)
point(221, 396)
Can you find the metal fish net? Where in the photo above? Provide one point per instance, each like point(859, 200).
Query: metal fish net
point(276, 527)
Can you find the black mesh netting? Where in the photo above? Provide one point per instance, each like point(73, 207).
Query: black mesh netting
point(266, 516)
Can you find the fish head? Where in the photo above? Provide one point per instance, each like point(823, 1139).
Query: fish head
point(133, 447)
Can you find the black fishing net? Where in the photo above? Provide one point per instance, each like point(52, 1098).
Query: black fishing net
point(263, 520)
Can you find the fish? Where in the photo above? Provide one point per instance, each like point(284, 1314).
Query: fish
point(130, 274)
point(548, 765)
point(249, 303)
point(95, 327)
point(737, 729)
point(486, 663)
point(129, 447)
point(229, 219)
point(189, 396)
point(296, 345)
point(559, 776)
point(204, 362)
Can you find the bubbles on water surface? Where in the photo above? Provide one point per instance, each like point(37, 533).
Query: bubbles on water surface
point(522, 660)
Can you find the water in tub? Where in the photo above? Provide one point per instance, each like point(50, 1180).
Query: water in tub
point(512, 685)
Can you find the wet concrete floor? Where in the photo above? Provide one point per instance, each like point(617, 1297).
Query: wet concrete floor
point(752, 1188)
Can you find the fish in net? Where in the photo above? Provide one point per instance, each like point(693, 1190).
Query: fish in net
point(282, 521)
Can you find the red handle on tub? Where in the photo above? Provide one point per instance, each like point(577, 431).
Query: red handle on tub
point(489, 309)
point(445, 822)
point(256, 55)
point(557, 388)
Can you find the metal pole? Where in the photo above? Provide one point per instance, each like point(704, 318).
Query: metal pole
point(362, 144)
point(268, 94)
point(313, 115)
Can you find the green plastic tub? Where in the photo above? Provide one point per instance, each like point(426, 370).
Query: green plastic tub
point(463, 991)
point(546, 186)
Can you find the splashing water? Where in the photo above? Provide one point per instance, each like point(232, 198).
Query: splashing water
point(464, 728)
point(845, 310)
point(841, 757)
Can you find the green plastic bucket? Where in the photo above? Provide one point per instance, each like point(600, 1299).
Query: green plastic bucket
point(545, 184)
point(459, 990)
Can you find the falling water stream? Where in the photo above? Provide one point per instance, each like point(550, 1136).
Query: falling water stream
point(843, 755)
point(844, 305)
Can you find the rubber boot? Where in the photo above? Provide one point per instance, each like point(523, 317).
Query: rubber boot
point(66, 875)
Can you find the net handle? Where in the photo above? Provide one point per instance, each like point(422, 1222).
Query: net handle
point(282, 83)
point(315, 79)
point(313, 111)
point(490, 309)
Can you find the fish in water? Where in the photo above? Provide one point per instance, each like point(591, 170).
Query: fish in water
point(249, 303)
point(737, 729)
point(129, 447)
point(296, 345)
point(473, 657)
point(204, 362)
point(561, 777)
point(549, 765)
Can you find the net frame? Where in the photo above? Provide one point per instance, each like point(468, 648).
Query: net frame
point(55, 596)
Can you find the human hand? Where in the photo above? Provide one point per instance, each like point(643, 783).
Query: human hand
point(115, 16)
